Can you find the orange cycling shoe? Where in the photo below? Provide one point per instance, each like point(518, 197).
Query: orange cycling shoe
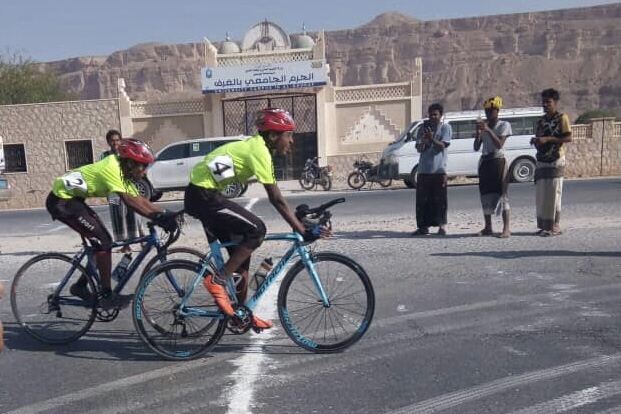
point(259, 323)
point(220, 295)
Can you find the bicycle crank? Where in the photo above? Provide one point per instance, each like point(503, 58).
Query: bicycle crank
point(241, 322)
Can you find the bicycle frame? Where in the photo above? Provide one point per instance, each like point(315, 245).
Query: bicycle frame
point(151, 240)
point(297, 248)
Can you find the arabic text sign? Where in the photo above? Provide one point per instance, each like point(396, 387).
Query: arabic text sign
point(281, 75)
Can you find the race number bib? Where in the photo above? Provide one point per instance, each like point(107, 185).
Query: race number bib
point(74, 181)
point(222, 167)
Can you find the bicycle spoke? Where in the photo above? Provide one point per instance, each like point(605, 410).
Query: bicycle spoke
point(46, 314)
point(159, 319)
point(351, 304)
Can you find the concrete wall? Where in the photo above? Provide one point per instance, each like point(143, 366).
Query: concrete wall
point(43, 129)
point(595, 149)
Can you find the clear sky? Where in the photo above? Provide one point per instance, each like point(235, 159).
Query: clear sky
point(48, 30)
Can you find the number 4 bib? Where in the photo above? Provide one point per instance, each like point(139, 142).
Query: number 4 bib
point(222, 167)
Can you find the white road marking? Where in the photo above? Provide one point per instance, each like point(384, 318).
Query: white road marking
point(239, 397)
point(456, 398)
point(575, 399)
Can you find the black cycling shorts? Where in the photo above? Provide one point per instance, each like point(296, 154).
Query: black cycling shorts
point(75, 213)
point(222, 218)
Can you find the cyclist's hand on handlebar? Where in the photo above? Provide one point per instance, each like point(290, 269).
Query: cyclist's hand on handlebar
point(316, 232)
point(167, 220)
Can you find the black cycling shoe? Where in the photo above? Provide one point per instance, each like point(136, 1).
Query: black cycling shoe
point(80, 291)
point(115, 301)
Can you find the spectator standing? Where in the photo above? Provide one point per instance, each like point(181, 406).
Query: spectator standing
point(121, 214)
point(491, 135)
point(551, 132)
point(432, 142)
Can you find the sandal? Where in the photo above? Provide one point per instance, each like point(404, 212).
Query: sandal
point(420, 232)
point(484, 232)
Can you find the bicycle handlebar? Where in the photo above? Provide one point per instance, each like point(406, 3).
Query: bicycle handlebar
point(175, 234)
point(316, 215)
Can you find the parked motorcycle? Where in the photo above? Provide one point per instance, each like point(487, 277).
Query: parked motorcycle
point(313, 175)
point(366, 172)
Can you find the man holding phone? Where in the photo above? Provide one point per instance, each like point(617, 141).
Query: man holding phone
point(431, 193)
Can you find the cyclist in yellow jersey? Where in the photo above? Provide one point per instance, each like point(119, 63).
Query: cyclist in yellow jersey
point(113, 174)
point(226, 220)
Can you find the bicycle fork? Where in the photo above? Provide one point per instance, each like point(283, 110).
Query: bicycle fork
point(310, 268)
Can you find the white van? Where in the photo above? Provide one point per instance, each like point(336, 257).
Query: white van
point(400, 159)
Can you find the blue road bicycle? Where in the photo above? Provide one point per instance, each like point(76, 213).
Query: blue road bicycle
point(47, 311)
point(325, 301)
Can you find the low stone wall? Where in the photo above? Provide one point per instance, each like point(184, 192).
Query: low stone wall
point(43, 130)
point(595, 149)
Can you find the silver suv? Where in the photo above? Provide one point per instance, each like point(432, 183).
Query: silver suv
point(173, 164)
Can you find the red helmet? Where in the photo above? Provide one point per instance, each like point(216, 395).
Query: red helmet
point(136, 150)
point(272, 119)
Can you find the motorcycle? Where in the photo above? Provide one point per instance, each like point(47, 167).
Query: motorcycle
point(366, 172)
point(313, 174)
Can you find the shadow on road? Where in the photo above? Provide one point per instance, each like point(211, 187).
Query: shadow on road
point(95, 345)
point(116, 344)
point(390, 234)
point(517, 254)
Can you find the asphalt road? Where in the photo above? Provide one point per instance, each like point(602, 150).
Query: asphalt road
point(462, 324)
point(391, 202)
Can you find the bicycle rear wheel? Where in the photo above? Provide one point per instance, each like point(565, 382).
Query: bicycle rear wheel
point(352, 303)
point(157, 317)
point(47, 314)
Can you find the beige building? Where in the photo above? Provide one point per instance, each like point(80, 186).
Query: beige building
point(338, 124)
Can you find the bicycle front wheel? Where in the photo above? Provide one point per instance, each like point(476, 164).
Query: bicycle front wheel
point(161, 323)
point(47, 313)
point(322, 329)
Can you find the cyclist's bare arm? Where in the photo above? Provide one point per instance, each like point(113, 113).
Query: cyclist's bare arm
point(281, 205)
point(143, 206)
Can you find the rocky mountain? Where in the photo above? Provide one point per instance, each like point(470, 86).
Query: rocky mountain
point(577, 51)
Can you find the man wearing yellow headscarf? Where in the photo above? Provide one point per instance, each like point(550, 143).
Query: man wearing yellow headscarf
point(490, 137)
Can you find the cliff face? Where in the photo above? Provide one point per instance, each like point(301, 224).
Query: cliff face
point(577, 51)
